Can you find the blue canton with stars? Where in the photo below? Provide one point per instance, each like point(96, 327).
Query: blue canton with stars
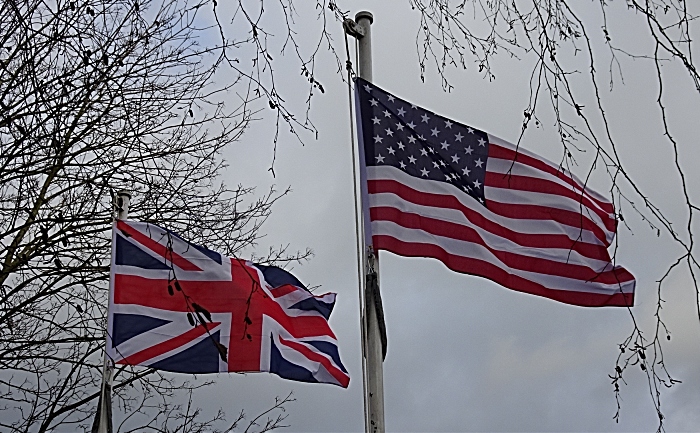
point(421, 143)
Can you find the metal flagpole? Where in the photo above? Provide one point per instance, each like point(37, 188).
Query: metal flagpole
point(103, 421)
point(373, 318)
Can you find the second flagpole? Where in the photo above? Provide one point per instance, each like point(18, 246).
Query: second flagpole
point(103, 419)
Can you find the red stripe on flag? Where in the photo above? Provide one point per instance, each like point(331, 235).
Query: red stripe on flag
point(298, 326)
point(157, 248)
point(496, 151)
point(151, 352)
point(303, 326)
point(338, 374)
point(572, 219)
point(509, 259)
point(215, 296)
point(455, 231)
point(538, 185)
point(446, 201)
point(488, 270)
point(283, 290)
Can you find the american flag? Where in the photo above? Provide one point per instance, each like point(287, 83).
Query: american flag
point(437, 188)
point(179, 307)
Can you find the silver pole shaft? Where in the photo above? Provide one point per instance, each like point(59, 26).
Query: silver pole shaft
point(374, 398)
point(105, 425)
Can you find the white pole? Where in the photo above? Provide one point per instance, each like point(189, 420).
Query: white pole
point(374, 389)
point(105, 404)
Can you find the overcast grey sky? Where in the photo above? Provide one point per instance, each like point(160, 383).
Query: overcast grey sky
point(463, 353)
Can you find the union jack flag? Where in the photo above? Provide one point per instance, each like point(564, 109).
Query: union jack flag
point(180, 307)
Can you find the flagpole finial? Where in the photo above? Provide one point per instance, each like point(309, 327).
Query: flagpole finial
point(364, 20)
point(364, 14)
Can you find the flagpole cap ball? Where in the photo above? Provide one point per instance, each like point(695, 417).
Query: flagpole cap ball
point(364, 14)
